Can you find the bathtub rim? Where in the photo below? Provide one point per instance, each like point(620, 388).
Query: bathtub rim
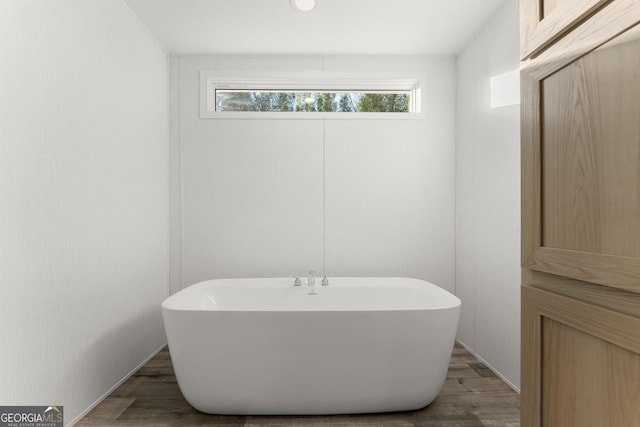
point(170, 304)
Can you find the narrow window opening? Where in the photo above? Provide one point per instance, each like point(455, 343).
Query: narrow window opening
point(311, 95)
point(327, 101)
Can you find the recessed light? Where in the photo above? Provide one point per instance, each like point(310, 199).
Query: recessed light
point(303, 5)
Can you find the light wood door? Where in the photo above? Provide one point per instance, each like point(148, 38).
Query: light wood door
point(581, 153)
point(581, 225)
point(542, 22)
point(581, 362)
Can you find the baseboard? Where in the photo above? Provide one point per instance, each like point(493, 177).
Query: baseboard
point(488, 365)
point(118, 384)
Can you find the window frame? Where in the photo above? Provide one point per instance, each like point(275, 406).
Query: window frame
point(211, 80)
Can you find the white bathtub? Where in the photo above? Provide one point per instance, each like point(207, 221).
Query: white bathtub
point(263, 346)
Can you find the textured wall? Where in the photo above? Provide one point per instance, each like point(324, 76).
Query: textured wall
point(488, 199)
point(345, 197)
point(83, 199)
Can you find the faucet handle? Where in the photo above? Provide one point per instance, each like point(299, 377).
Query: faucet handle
point(297, 282)
point(325, 281)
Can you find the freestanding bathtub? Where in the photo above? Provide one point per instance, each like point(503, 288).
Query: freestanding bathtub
point(267, 347)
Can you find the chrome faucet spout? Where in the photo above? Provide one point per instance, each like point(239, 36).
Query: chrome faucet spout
point(311, 281)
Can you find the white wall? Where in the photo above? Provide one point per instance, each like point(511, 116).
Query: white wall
point(488, 199)
point(84, 197)
point(345, 197)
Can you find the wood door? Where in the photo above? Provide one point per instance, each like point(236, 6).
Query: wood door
point(581, 225)
point(542, 22)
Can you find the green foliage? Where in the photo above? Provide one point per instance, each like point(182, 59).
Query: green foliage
point(346, 104)
point(285, 101)
point(263, 101)
point(303, 106)
point(383, 102)
point(234, 101)
point(324, 102)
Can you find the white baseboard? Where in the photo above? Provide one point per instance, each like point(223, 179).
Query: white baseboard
point(488, 365)
point(118, 384)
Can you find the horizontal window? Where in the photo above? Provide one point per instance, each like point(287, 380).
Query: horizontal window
point(328, 101)
point(323, 95)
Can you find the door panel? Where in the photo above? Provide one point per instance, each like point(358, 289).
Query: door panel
point(580, 133)
point(581, 363)
point(591, 155)
point(581, 157)
point(591, 382)
point(542, 22)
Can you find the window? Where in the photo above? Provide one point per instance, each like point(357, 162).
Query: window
point(329, 101)
point(324, 95)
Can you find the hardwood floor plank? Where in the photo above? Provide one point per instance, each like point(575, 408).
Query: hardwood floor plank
point(174, 411)
point(461, 370)
point(483, 384)
point(109, 410)
point(472, 396)
point(482, 370)
point(150, 388)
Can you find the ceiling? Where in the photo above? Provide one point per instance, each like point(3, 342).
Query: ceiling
point(335, 27)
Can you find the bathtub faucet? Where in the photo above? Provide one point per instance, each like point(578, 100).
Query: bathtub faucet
point(311, 281)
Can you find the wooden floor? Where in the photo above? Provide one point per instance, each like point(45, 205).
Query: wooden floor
point(472, 396)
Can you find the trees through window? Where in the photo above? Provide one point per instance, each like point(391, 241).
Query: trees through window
point(313, 101)
point(328, 95)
